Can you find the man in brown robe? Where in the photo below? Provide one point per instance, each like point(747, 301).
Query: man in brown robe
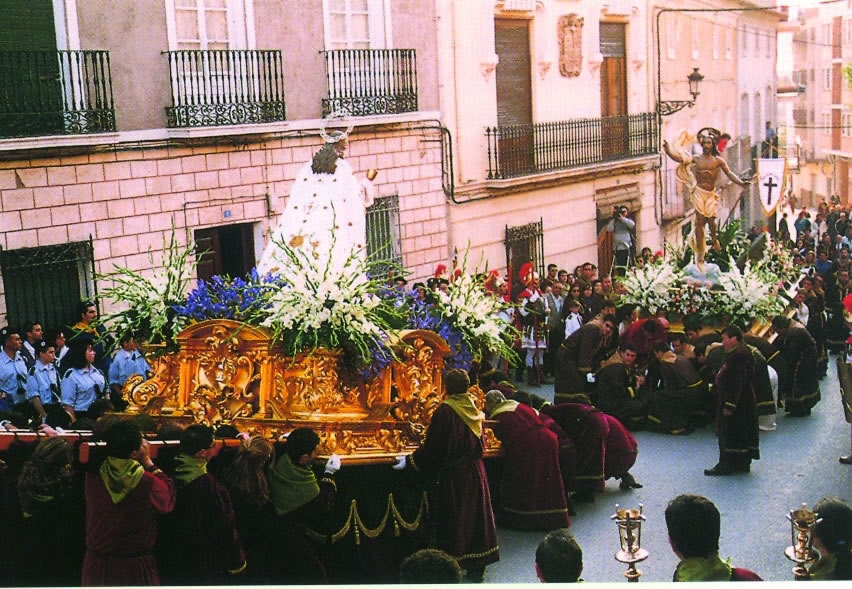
point(451, 457)
point(198, 542)
point(800, 387)
point(531, 494)
point(618, 390)
point(736, 412)
point(672, 406)
point(580, 355)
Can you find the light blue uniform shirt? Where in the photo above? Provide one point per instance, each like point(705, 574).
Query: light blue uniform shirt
point(13, 377)
point(125, 364)
point(81, 387)
point(41, 381)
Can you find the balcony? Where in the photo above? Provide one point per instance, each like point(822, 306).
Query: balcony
point(368, 82)
point(55, 93)
point(522, 150)
point(225, 87)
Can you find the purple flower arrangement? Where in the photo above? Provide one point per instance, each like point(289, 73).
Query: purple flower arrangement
point(239, 299)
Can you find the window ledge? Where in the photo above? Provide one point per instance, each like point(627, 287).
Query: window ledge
point(57, 141)
point(298, 125)
point(70, 142)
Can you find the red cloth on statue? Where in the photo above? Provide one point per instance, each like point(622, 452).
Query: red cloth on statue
point(451, 454)
point(532, 496)
point(120, 537)
point(588, 428)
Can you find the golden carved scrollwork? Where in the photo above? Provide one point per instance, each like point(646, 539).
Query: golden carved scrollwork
point(158, 394)
point(417, 377)
point(229, 372)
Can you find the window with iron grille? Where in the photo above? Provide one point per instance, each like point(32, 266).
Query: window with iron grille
point(384, 243)
point(47, 283)
point(524, 243)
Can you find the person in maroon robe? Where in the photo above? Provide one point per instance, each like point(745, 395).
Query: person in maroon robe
point(567, 452)
point(643, 334)
point(451, 457)
point(198, 542)
point(589, 428)
point(123, 500)
point(532, 496)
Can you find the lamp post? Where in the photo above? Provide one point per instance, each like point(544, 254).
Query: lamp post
point(629, 522)
point(669, 107)
point(802, 522)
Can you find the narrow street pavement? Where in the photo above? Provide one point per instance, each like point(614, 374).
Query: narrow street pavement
point(799, 463)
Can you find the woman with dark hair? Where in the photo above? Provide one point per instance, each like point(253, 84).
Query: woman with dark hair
point(833, 540)
point(587, 299)
point(245, 479)
point(50, 520)
point(82, 384)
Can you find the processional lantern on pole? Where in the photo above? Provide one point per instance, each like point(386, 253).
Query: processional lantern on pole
point(629, 522)
point(802, 522)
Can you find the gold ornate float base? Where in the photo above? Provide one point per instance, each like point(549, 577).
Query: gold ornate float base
point(230, 372)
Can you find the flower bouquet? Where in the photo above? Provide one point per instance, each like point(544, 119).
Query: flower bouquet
point(145, 306)
point(749, 295)
point(322, 301)
point(650, 286)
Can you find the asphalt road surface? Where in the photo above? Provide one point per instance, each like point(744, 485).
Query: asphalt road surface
point(799, 464)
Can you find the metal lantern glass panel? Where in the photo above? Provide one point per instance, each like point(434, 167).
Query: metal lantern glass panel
point(669, 107)
point(629, 522)
point(695, 79)
point(802, 522)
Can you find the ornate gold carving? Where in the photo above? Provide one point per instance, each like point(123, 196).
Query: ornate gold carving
point(570, 33)
point(158, 394)
point(229, 372)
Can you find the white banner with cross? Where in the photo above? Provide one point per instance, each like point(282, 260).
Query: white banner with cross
point(772, 174)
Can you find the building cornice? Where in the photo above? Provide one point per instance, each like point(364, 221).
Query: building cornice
point(486, 189)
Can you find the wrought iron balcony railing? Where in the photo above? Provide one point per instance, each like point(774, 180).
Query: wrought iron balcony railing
point(371, 81)
point(521, 150)
point(225, 87)
point(55, 93)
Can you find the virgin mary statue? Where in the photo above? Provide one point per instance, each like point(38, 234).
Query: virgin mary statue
point(325, 216)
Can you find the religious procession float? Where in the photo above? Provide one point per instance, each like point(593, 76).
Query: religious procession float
point(744, 283)
point(313, 337)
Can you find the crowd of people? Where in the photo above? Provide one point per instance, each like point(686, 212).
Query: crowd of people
point(614, 368)
point(246, 515)
point(64, 375)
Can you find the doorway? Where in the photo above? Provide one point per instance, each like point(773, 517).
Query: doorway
point(225, 250)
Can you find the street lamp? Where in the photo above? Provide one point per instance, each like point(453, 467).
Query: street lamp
point(669, 107)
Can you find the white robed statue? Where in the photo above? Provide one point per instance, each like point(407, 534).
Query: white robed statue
point(325, 215)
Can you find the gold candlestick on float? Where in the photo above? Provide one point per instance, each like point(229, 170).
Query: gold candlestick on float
point(629, 522)
point(802, 522)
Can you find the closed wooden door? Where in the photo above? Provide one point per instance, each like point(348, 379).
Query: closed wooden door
point(514, 96)
point(614, 128)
